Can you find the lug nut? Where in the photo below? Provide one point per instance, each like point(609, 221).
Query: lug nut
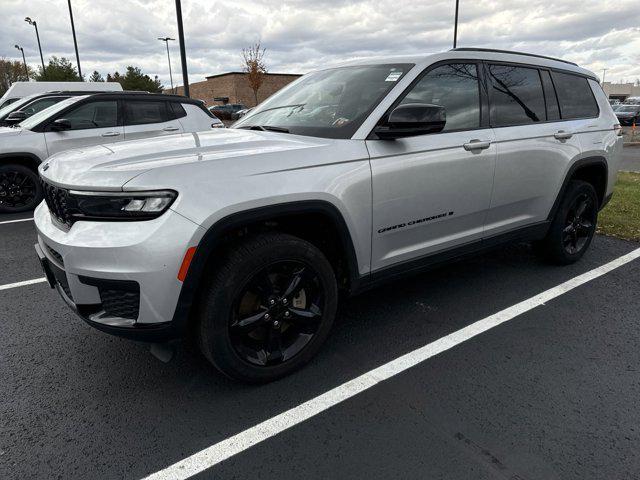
point(284, 301)
point(276, 324)
point(272, 302)
point(267, 316)
point(286, 314)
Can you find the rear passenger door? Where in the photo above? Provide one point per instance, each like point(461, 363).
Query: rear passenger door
point(148, 118)
point(533, 146)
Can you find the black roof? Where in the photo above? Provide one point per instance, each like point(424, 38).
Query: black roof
point(148, 96)
point(492, 50)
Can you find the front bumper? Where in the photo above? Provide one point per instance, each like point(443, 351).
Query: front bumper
point(120, 277)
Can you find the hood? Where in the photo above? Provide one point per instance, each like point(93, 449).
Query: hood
point(109, 167)
point(10, 132)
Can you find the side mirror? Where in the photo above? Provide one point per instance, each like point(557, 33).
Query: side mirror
point(412, 119)
point(60, 124)
point(15, 117)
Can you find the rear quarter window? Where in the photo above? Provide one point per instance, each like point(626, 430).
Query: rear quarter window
point(176, 110)
point(574, 96)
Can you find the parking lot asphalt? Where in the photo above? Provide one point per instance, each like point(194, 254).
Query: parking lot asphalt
point(550, 394)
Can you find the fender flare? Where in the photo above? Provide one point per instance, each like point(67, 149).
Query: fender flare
point(30, 156)
point(583, 162)
point(213, 237)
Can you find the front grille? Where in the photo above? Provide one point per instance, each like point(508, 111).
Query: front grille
point(57, 199)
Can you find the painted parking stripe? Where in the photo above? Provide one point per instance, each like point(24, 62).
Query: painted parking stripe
point(18, 220)
point(213, 455)
point(22, 284)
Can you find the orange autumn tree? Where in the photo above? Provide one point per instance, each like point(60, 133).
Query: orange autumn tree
point(254, 66)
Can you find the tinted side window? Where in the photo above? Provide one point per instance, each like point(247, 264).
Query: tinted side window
point(177, 110)
point(575, 96)
point(93, 115)
point(455, 87)
point(38, 105)
point(516, 95)
point(553, 110)
point(139, 112)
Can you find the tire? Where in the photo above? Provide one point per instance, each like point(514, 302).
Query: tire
point(20, 189)
point(574, 225)
point(254, 324)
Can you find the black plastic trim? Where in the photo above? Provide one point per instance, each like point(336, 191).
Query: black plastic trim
point(583, 162)
point(381, 276)
point(214, 236)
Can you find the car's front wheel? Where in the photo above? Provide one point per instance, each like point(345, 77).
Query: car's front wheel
point(20, 189)
point(267, 308)
point(573, 226)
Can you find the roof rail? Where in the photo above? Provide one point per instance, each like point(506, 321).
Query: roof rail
point(474, 49)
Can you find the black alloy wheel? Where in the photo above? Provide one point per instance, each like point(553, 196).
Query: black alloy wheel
point(579, 224)
point(267, 307)
point(277, 313)
point(573, 226)
point(20, 189)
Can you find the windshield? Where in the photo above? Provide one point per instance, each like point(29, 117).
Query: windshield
point(628, 108)
point(329, 103)
point(34, 120)
point(15, 106)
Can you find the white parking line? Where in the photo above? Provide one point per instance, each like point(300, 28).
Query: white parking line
point(240, 442)
point(16, 221)
point(22, 284)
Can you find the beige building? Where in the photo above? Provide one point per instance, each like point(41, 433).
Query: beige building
point(621, 91)
point(233, 87)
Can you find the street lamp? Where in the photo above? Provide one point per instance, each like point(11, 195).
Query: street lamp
point(166, 41)
point(26, 70)
point(455, 27)
point(33, 22)
point(75, 43)
point(183, 53)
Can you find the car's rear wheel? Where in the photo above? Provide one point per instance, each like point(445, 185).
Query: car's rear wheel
point(267, 308)
point(573, 226)
point(20, 189)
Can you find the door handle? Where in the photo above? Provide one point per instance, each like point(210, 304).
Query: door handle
point(476, 144)
point(170, 129)
point(111, 134)
point(562, 135)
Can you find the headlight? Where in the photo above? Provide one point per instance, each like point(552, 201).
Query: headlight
point(120, 205)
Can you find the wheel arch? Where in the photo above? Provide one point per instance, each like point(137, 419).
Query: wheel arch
point(26, 159)
point(591, 169)
point(217, 237)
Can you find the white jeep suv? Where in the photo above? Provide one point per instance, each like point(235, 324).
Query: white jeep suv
point(346, 178)
point(84, 120)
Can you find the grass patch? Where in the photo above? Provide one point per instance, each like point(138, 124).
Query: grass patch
point(621, 217)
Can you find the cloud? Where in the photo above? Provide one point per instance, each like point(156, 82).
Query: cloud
point(301, 35)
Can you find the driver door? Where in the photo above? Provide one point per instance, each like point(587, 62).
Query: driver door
point(92, 123)
point(432, 192)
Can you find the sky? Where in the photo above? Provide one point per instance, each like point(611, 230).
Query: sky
point(301, 35)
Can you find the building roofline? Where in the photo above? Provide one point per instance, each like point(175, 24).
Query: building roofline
point(244, 73)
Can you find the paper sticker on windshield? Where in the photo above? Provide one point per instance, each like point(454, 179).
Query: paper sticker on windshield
point(393, 77)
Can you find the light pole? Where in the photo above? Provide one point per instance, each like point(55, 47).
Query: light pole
point(33, 22)
point(75, 43)
point(26, 70)
point(166, 41)
point(455, 27)
point(183, 53)
point(604, 71)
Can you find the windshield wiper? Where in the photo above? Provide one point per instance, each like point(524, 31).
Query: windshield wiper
point(264, 128)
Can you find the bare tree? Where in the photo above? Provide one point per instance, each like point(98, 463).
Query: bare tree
point(254, 66)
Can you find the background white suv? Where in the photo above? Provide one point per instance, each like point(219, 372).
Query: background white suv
point(346, 178)
point(83, 121)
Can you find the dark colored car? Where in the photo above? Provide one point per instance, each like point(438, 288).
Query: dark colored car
point(228, 111)
point(628, 114)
